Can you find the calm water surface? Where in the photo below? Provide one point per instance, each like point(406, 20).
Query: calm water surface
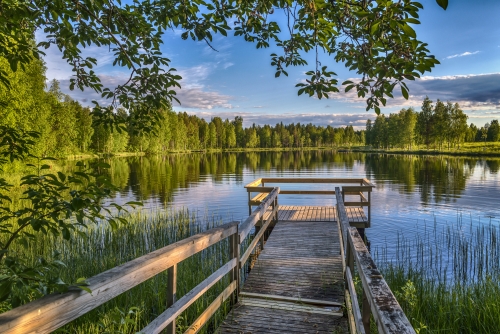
point(412, 192)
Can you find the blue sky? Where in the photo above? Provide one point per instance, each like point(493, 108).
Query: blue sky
point(239, 80)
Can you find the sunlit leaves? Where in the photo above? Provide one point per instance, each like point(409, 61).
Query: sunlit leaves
point(54, 203)
point(372, 38)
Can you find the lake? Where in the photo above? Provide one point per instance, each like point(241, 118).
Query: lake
point(412, 192)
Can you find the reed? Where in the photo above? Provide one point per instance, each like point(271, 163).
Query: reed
point(104, 248)
point(447, 279)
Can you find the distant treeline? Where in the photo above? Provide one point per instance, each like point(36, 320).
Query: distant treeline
point(443, 125)
point(67, 128)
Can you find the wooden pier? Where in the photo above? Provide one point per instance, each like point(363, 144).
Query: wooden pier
point(290, 270)
point(296, 285)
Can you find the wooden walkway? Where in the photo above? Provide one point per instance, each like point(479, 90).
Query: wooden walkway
point(296, 284)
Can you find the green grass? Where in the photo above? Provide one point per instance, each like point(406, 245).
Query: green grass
point(473, 148)
point(104, 249)
point(447, 279)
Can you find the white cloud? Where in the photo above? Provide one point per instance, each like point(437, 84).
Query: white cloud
point(470, 91)
point(334, 120)
point(199, 99)
point(463, 54)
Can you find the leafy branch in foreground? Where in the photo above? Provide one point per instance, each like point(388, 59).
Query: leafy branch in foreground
point(53, 204)
point(374, 38)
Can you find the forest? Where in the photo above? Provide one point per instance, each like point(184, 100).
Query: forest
point(68, 128)
point(440, 126)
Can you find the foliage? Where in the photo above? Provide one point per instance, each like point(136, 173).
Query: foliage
point(54, 204)
point(373, 38)
point(146, 231)
point(433, 125)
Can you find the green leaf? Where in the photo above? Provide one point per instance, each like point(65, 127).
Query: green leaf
point(442, 3)
point(374, 28)
point(404, 91)
point(5, 289)
point(409, 31)
point(62, 176)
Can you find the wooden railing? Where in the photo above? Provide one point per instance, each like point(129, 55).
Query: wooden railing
point(54, 311)
point(361, 187)
point(378, 299)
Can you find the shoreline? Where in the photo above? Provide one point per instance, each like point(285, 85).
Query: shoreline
point(342, 149)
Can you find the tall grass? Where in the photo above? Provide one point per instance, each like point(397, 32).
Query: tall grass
point(447, 279)
point(105, 248)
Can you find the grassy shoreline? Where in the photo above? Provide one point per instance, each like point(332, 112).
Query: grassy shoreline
point(447, 279)
point(105, 248)
point(468, 149)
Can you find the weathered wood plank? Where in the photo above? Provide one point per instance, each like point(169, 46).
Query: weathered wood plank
point(290, 306)
point(254, 183)
point(210, 310)
point(354, 302)
point(386, 310)
point(257, 238)
point(157, 325)
point(257, 320)
point(259, 189)
point(310, 180)
point(291, 299)
point(53, 311)
point(307, 192)
point(250, 222)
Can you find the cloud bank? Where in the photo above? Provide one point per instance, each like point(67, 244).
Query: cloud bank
point(357, 120)
point(472, 92)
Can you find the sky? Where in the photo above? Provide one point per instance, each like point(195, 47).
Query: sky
point(238, 79)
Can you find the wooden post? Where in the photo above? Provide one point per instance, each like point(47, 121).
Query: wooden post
point(277, 211)
point(366, 313)
point(349, 256)
point(171, 294)
point(369, 209)
point(249, 204)
point(261, 223)
point(234, 252)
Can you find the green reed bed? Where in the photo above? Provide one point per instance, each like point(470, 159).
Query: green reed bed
point(447, 279)
point(105, 248)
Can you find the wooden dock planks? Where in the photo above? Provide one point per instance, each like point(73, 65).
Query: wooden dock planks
point(300, 266)
point(318, 214)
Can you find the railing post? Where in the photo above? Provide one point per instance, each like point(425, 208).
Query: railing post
point(369, 209)
point(261, 223)
point(277, 211)
point(234, 252)
point(366, 313)
point(249, 204)
point(349, 256)
point(171, 294)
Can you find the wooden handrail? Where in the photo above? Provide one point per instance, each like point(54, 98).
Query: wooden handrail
point(266, 180)
point(379, 298)
point(54, 311)
point(157, 325)
point(250, 222)
point(356, 186)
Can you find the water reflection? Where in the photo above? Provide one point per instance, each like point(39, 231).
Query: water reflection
point(436, 178)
